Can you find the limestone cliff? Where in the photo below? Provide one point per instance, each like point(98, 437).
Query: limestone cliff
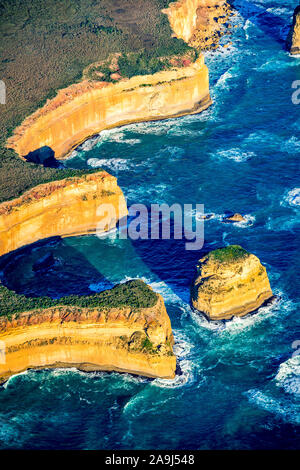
point(229, 282)
point(89, 107)
point(61, 208)
point(293, 41)
point(199, 22)
point(128, 339)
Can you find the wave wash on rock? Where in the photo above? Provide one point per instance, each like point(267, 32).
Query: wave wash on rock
point(87, 108)
point(113, 332)
point(136, 340)
point(229, 282)
point(62, 208)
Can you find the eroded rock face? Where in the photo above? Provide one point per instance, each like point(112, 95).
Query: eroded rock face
point(199, 22)
point(293, 41)
point(61, 208)
point(229, 282)
point(234, 218)
point(87, 108)
point(134, 340)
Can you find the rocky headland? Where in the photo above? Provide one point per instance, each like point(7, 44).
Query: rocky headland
point(229, 282)
point(293, 41)
point(125, 329)
point(87, 108)
point(62, 208)
point(114, 330)
point(200, 23)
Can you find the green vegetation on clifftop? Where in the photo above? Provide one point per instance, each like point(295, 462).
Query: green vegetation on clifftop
point(18, 176)
point(45, 46)
point(228, 254)
point(134, 294)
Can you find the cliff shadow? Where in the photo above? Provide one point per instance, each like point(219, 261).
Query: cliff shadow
point(43, 156)
point(170, 261)
point(51, 267)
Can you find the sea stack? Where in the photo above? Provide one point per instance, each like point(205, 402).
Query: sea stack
point(124, 329)
point(293, 41)
point(229, 282)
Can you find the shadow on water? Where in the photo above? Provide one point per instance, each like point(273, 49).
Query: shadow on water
point(267, 21)
point(44, 156)
point(59, 267)
point(50, 267)
point(169, 260)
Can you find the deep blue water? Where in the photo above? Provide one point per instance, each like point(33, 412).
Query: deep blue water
point(240, 385)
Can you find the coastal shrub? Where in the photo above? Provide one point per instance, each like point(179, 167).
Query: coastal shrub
point(228, 254)
point(73, 35)
point(18, 176)
point(134, 294)
point(148, 346)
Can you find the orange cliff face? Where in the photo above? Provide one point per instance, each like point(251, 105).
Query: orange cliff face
point(138, 341)
point(87, 108)
point(293, 40)
point(62, 208)
point(184, 15)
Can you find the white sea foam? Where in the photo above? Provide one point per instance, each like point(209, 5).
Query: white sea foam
point(277, 307)
point(222, 81)
point(182, 349)
point(248, 222)
point(262, 136)
point(248, 24)
point(152, 127)
point(235, 154)
point(292, 198)
point(67, 371)
point(283, 408)
point(279, 11)
point(288, 375)
point(237, 324)
point(12, 378)
point(141, 193)
point(116, 135)
point(111, 135)
point(185, 377)
point(203, 322)
point(273, 64)
point(110, 236)
point(292, 145)
point(112, 163)
point(162, 288)
point(88, 144)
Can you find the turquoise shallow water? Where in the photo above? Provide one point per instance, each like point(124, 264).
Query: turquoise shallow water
point(240, 385)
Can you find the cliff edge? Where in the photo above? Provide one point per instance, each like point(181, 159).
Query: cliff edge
point(293, 40)
point(124, 329)
point(67, 207)
point(229, 282)
point(200, 23)
point(87, 108)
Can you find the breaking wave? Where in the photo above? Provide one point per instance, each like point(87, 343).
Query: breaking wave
point(288, 375)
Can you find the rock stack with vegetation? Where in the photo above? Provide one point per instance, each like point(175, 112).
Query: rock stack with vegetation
point(229, 282)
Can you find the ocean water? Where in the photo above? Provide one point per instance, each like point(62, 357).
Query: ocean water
point(240, 386)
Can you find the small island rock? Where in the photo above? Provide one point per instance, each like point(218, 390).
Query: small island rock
point(234, 218)
point(229, 282)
